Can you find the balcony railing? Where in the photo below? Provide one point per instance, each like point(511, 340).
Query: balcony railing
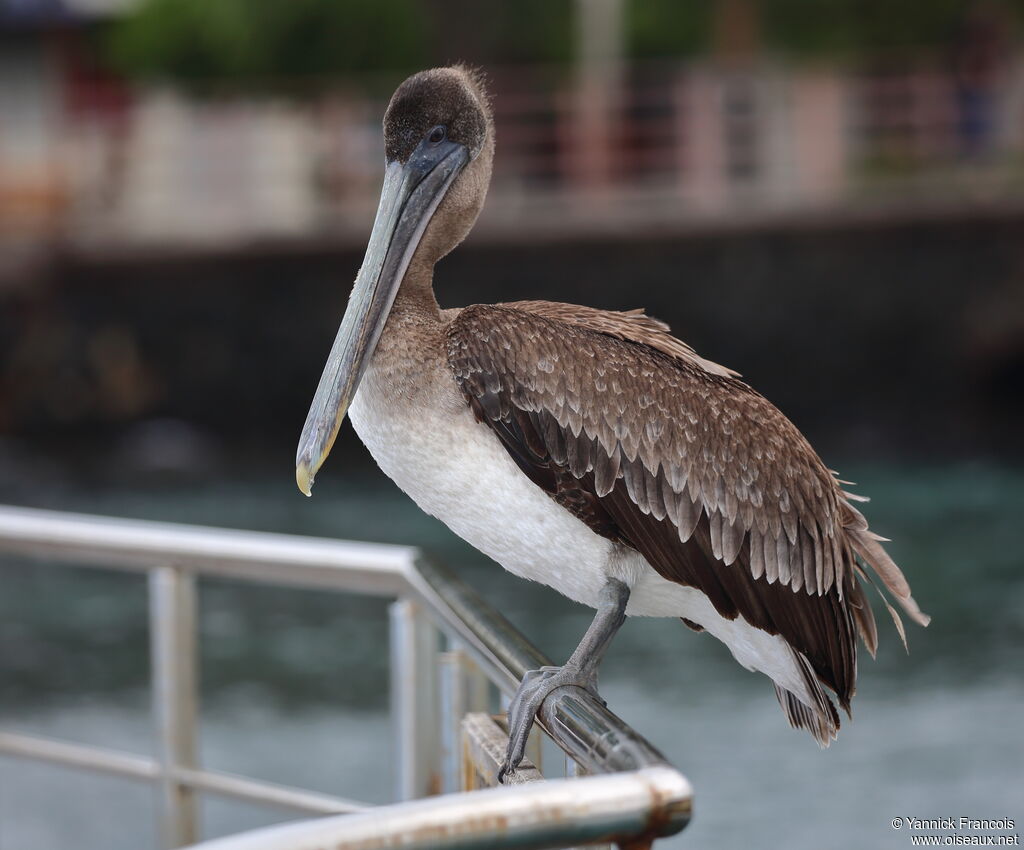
point(674, 145)
point(447, 646)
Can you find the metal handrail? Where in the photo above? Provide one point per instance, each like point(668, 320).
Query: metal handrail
point(556, 813)
point(173, 555)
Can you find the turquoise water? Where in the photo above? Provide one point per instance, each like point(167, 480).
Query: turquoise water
point(295, 684)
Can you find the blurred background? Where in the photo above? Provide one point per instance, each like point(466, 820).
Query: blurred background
point(826, 195)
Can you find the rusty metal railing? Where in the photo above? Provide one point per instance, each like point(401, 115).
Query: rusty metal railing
point(448, 648)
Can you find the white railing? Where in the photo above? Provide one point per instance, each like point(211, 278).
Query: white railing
point(444, 739)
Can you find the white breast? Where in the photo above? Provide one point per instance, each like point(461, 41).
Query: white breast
point(455, 469)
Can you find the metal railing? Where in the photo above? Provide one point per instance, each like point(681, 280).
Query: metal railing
point(442, 740)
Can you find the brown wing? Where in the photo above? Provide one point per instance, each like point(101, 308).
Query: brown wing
point(677, 458)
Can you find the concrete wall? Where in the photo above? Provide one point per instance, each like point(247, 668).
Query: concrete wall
point(875, 339)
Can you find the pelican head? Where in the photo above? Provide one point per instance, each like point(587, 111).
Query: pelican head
point(438, 144)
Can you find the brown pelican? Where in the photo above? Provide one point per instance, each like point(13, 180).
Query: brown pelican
point(589, 450)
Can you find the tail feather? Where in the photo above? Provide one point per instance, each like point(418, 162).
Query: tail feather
point(866, 544)
point(813, 710)
point(822, 726)
point(810, 707)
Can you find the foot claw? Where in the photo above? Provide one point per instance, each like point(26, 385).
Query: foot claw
point(522, 710)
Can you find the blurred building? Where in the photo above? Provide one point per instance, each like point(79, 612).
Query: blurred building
point(98, 165)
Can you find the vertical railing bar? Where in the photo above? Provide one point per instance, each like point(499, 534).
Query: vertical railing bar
point(173, 675)
point(463, 689)
point(414, 700)
point(399, 625)
point(451, 697)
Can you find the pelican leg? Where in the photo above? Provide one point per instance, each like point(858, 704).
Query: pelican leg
point(580, 670)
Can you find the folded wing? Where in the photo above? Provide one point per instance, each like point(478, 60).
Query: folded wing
point(674, 456)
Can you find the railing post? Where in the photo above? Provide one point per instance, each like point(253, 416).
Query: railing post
point(464, 689)
point(600, 38)
point(172, 625)
point(414, 701)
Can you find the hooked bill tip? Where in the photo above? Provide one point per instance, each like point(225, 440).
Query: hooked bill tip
point(304, 478)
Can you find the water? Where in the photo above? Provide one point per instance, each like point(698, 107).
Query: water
point(294, 683)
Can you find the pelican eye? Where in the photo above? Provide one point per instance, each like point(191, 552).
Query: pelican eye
point(437, 135)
